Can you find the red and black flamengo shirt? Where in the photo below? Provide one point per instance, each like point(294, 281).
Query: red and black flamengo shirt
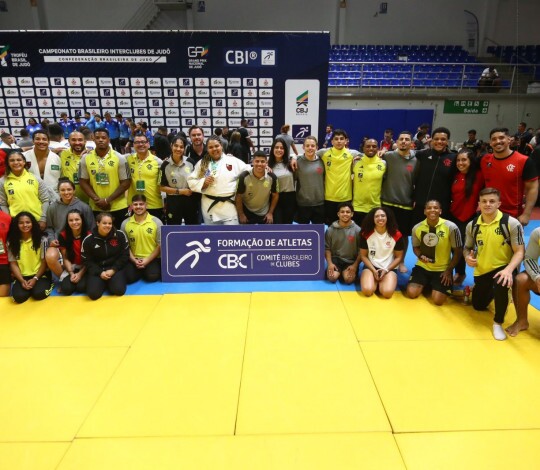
point(509, 176)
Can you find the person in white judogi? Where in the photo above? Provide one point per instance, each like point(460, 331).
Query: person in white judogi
point(215, 176)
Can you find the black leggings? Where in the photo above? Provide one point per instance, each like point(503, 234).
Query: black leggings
point(460, 266)
point(41, 290)
point(286, 208)
point(69, 287)
point(486, 289)
point(95, 286)
point(151, 273)
point(182, 208)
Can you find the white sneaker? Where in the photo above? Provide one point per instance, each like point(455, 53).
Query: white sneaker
point(498, 332)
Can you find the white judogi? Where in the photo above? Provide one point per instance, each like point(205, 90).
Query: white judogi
point(226, 172)
point(52, 172)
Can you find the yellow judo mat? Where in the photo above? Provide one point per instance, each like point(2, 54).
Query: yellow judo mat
point(306, 380)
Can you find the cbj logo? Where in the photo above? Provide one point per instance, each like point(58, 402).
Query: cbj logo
point(302, 103)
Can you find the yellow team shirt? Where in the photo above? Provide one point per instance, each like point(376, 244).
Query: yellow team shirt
point(337, 182)
point(29, 261)
point(367, 183)
point(69, 168)
point(493, 251)
point(436, 243)
point(109, 166)
point(143, 237)
point(22, 194)
point(147, 171)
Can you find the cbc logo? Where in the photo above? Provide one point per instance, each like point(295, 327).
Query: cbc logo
point(231, 261)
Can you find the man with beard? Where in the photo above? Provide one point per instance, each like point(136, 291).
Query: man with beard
point(368, 172)
point(398, 186)
point(196, 149)
point(104, 177)
point(513, 174)
point(143, 231)
point(70, 160)
point(435, 174)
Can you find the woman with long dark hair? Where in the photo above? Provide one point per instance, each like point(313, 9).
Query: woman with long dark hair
point(26, 192)
point(26, 254)
point(56, 220)
point(69, 243)
point(181, 205)
point(105, 253)
point(381, 251)
point(466, 186)
point(279, 162)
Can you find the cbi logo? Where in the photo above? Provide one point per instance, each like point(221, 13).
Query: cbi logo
point(240, 57)
point(197, 52)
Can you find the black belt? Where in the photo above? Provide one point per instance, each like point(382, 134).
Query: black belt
point(217, 199)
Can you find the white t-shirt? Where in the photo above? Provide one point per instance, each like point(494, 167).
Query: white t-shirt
point(381, 247)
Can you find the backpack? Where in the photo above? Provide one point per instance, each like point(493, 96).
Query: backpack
point(503, 225)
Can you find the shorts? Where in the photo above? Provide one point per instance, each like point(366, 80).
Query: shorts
point(431, 279)
point(342, 266)
point(5, 274)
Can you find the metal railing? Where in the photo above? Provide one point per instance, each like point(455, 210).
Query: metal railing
point(143, 16)
point(457, 76)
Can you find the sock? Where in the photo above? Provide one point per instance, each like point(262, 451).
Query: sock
point(498, 332)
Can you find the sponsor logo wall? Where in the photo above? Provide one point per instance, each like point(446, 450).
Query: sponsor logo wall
point(175, 79)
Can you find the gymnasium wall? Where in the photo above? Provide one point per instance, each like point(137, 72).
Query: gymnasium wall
point(502, 111)
point(410, 22)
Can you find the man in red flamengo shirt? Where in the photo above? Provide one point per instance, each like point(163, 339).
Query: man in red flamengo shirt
point(513, 174)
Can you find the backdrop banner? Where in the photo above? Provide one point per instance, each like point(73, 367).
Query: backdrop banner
point(174, 79)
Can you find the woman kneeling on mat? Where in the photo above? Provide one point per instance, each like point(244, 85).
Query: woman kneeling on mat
point(381, 250)
point(26, 254)
point(105, 253)
point(71, 271)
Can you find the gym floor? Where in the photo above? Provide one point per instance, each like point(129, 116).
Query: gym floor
point(298, 375)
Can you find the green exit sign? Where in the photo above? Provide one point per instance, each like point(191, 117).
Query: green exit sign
point(466, 106)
